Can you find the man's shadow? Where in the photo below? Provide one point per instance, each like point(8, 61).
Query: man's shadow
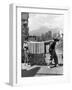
point(29, 73)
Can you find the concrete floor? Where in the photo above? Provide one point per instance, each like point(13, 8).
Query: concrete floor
point(42, 70)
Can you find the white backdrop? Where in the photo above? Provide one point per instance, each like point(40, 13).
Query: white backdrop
point(4, 42)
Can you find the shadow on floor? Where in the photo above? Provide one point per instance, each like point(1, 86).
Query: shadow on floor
point(29, 73)
point(41, 74)
point(7, 83)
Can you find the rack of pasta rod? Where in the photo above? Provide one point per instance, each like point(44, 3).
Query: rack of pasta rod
point(38, 47)
point(38, 51)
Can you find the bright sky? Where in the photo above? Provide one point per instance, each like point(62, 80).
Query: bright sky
point(47, 20)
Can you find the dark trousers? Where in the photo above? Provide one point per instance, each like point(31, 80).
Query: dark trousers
point(26, 57)
point(54, 56)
